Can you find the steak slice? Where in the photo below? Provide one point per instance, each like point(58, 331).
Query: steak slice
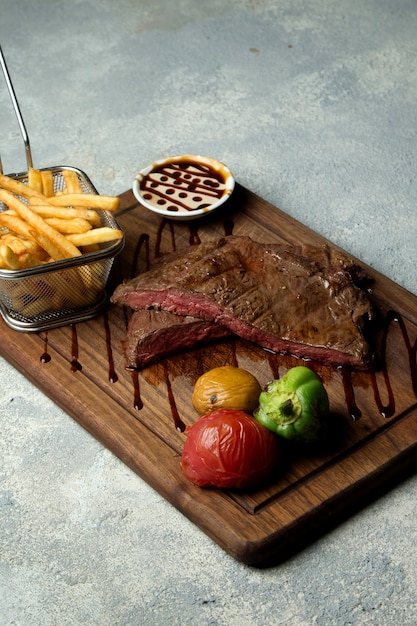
point(295, 300)
point(153, 334)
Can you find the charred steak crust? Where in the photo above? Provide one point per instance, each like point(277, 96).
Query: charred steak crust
point(297, 300)
point(152, 335)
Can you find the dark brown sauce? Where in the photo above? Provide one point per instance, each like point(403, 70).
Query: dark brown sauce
point(199, 183)
point(353, 409)
point(179, 424)
point(387, 410)
point(194, 235)
point(228, 227)
point(273, 364)
point(233, 354)
point(75, 364)
point(143, 242)
point(411, 349)
point(113, 378)
point(137, 400)
point(164, 224)
point(45, 357)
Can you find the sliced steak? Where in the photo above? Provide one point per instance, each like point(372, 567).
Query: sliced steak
point(296, 300)
point(152, 335)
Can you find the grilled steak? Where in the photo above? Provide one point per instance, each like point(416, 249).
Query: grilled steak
point(296, 300)
point(152, 335)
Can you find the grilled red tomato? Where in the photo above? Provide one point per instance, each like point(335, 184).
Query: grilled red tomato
point(229, 449)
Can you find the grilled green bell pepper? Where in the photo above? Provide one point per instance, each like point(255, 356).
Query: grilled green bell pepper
point(294, 406)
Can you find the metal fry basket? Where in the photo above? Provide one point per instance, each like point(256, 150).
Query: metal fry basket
point(60, 292)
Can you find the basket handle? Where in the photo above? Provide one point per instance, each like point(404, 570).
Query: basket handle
point(17, 111)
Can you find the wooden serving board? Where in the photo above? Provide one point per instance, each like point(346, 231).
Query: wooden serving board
point(140, 417)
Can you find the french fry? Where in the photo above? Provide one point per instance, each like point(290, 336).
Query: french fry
point(16, 243)
point(17, 187)
point(15, 224)
point(35, 180)
point(10, 258)
point(47, 210)
point(94, 236)
point(69, 226)
point(65, 247)
point(92, 201)
point(47, 183)
point(72, 182)
point(34, 248)
point(21, 246)
point(28, 260)
point(48, 246)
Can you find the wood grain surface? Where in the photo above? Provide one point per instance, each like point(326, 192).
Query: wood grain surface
point(140, 416)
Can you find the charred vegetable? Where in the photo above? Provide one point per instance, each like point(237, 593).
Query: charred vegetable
point(229, 449)
point(226, 387)
point(294, 406)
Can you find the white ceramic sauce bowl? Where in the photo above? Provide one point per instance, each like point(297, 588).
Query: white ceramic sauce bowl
point(184, 187)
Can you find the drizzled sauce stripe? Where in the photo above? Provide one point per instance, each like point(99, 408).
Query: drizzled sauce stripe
point(45, 356)
point(75, 364)
point(113, 378)
point(179, 424)
point(411, 349)
point(353, 409)
point(137, 400)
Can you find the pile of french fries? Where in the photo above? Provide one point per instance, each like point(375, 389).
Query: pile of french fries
point(40, 225)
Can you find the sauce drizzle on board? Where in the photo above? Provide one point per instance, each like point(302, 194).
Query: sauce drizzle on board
point(113, 377)
point(75, 364)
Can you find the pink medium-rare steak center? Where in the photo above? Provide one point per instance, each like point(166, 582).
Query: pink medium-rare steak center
point(152, 335)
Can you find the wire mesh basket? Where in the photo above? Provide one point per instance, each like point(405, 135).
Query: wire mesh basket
point(59, 292)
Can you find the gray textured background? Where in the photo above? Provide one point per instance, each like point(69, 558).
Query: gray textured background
point(313, 106)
